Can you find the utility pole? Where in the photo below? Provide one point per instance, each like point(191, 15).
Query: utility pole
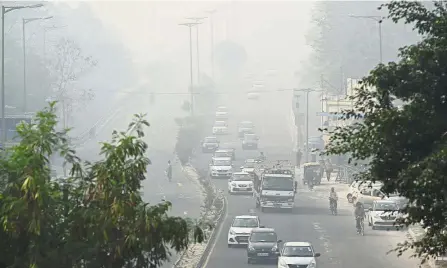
point(197, 20)
point(6, 9)
point(25, 93)
point(191, 86)
point(211, 12)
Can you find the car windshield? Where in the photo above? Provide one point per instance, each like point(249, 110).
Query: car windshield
point(278, 183)
point(211, 139)
point(241, 177)
point(245, 223)
point(263, 237)
point(250, 137)
point(221, 163)
point(293, 251)
point(222, 109)
point(219, 124)
point(386, 206)
point(222, 154)
point(249, 165)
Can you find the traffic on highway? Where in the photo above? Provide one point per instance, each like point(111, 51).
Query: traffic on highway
point(280, 214)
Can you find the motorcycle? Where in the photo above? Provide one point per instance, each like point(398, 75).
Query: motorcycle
point(333, 208)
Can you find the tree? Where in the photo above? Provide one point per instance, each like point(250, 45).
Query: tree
point(68, 66)
point(93, 218)
point(407, 145)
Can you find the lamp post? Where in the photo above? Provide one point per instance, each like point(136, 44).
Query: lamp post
point(191, 88)
point(24, 23)
point(379, 20)
point(307, 91)
point(197, 20)
point(6, 9)
point(211, 12)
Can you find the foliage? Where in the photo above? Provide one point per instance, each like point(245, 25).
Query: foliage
point(68, 66)
point(407, 144)
point(93, 218)
point(190, 133)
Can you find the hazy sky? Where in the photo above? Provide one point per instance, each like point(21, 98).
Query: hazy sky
point(272, 32)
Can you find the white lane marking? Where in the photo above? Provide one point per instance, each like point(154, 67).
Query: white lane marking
point(323, 237)
point(217, 236)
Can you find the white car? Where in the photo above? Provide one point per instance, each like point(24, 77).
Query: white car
point(220, 127)
point(222, 112)
point(240, 229)
point(249, 166)
point(221, 167)
point(250, 142)
point(240, 182)
point(297, 254)
point(383, 213)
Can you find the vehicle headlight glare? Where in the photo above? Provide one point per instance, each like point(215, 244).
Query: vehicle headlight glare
point(232, 232)
point(250, 248)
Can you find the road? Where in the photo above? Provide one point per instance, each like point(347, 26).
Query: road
point(183, 193)
point(333, 236)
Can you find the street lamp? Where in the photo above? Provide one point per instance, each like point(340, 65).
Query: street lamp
point(24, 23)
point(191, 89)
point(211, 12)
point(379, 20)
point(197, 20)
point(6, 9)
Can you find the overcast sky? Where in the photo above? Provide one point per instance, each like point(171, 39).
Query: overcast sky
point(273, 32)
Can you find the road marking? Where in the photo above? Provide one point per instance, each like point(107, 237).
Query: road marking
point(217, 236)
point(323, 237)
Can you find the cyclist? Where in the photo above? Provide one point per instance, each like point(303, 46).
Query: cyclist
point(333, 198)
point(169, 170)
point(359, 214)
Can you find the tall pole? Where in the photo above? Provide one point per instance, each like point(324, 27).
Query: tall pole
point(211, 12)
point(379, 20)
point(191, 73)
point(380, 40)
point(307, 125)
point(3, 80)
point(24, 67)
point(197, 20)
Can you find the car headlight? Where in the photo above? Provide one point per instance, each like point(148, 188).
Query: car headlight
point(250, 248)
point(275, 248)
point(312, 264)
point(233, 184)
point(290, 200)
point(232, 232)
point(376, 216)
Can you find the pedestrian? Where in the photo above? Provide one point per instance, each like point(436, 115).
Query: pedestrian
point(299, 154)
point(169, 170)
point(329, 169)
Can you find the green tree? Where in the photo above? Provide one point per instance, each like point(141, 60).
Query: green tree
point(407, 145)
point(93, 218)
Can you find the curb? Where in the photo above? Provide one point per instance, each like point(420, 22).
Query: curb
point(212, 235)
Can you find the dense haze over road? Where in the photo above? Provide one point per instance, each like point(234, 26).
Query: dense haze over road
point(104, 61)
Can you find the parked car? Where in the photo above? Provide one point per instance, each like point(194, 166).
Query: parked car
point(383, 213)
point(209, 144)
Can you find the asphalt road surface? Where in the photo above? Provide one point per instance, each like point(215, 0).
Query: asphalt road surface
point(333, 236)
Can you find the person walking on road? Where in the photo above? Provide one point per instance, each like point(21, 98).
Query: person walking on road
point(169, 170)
point(299, 154)
point(329, 169)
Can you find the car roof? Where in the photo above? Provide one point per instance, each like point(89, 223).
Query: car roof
point(222, 107)
point(211, 137)
point(249, 160)
point(385, 201)
point(297, 244)
point(246, 217)
point(246, 122)
point(221, 121)
point(222, 151)
point(241, 173)
point(263, 230)
point(272, 175)
point(222, 158)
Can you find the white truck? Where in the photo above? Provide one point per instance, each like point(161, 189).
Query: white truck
point(275, 187)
